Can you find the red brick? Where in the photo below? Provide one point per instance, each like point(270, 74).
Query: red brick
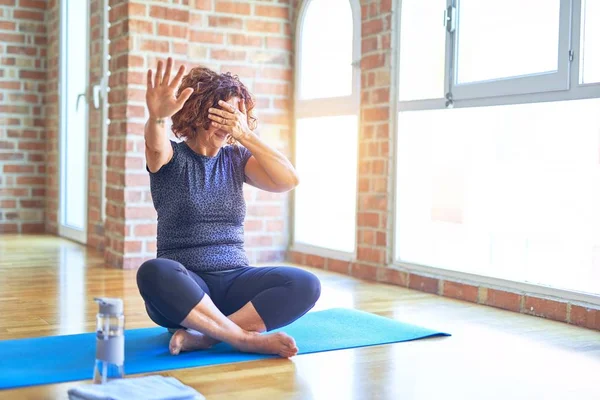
point(10, 85)
point(460, 291)
point(297, 258)
point(32, 146)
point(150, 246)
point(171, 14)
point(8, 26)
point(13, 192)
point(271, 11)
point(172, 30)
point(255, 25)
point(372, 61)
point(370, 254)
point(279, 43)
point(130, 262)
point(281, 104)
point(276, 73)
point(386, 42)
point(140, 26)
point(393, 276)
point(207, 37)
point(244, 40)
point(366, 236)
point(253, 225)
point(369, 44)
point(8, 228)
point(33, 4)
point(545, 308)
point(586, 317)
point(339, 266)
point(144, 230)
point(259, 241)
point(363, 271)
point(33, 227)
point(368, 219)
point(379, 96)
point(225, 22)
point(504, 300)
point(265, 210)
point(228, 55)
point(179, 48)
point(8, 204)
point(132, 246)
point(203, 4)
point(233, 7)
point(363, 185)
point(376, 114)
point(40, 40)
point(315, 261)
point(28, 15)
point(146, 212)
point(275, 226)
point(243, 71)
point(132, 179)
point(17, 168)
point(371, 27)
point(423, 283)
point(31, 180)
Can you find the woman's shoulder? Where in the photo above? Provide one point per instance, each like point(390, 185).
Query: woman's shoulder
point(236, 151)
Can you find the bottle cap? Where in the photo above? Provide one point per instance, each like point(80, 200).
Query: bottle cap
point(110, 306)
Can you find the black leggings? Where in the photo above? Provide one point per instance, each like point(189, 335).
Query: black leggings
point(280, 295)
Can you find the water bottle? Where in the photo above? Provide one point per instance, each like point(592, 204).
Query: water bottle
point(110, 341)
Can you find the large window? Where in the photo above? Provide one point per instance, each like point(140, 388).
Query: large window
point(498, 170)
point(326, 134)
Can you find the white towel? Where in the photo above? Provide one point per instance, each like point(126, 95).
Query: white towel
point(154, 387)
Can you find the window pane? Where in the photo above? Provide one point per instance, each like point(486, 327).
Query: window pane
point(590, 41)
point(326, 50)
point(326, 160)
point(510, 192)
point(74, 145)
point(422, 50)
point(506, 39)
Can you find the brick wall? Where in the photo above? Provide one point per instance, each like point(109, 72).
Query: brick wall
point(251, 39)
point(23, 47)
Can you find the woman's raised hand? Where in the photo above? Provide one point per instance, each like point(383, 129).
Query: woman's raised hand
point(161, 92)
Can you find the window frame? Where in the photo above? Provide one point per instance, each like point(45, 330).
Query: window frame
point(325, 107)
point(506, 91)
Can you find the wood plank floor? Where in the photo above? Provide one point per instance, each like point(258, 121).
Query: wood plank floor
point(47, 286)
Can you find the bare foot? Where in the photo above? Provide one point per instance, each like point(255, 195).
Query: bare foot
point(184, 340)
point(273, 343)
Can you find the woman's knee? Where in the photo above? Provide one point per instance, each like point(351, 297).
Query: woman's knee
point(153, 272)
point(308, 287)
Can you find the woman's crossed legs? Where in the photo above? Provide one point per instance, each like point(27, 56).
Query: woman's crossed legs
point(253, 299)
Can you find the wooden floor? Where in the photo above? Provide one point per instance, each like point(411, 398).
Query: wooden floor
point(47, 286)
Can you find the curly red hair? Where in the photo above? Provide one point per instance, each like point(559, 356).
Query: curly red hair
point(209, 87)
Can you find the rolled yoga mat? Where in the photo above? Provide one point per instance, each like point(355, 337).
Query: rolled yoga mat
point(54, 359)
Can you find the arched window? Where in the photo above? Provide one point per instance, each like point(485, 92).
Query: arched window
point(326, 134)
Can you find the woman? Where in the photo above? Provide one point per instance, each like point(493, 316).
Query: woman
point(201, 286)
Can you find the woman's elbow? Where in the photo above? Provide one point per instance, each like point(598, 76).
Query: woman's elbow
point(291, 183)
point(295, 180)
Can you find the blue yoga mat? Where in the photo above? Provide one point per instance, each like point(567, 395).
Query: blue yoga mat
point(54, 359)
